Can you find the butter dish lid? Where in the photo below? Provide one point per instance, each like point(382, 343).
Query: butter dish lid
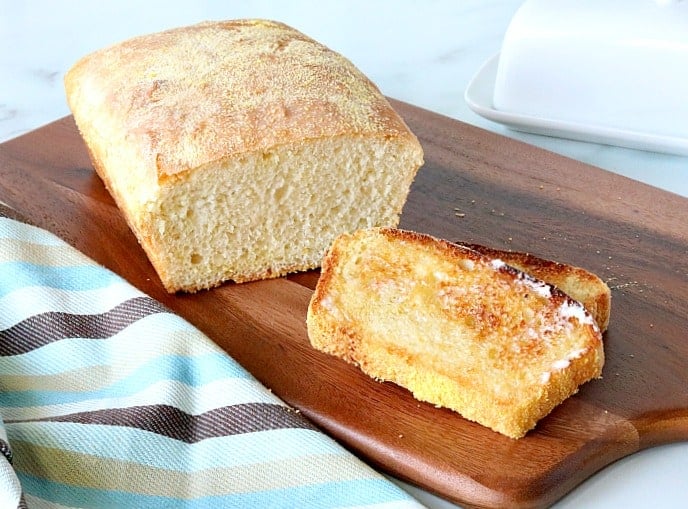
point(609, 71)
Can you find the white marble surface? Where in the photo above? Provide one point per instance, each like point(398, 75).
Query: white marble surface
point(424, 53)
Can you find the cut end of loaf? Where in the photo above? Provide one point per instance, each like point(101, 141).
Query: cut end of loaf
point(271, 213)
point(458, 329)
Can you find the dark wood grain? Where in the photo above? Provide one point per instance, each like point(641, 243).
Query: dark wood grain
point(477, 187)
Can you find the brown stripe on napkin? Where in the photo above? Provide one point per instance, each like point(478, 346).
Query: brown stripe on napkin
point(174, 423)
point(42, 329)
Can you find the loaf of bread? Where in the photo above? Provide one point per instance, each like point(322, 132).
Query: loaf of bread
point(239, 150)
point(578, 283)
point(457, 328)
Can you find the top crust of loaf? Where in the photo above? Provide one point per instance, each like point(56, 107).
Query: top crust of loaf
point(190, 96)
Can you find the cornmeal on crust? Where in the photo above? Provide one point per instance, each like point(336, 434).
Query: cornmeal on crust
point(578, 283)
point(457, 328)
point(239, 150)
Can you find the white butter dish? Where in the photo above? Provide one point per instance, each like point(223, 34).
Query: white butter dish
point(609, 71)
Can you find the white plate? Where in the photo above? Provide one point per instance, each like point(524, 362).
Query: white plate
point(479, 95)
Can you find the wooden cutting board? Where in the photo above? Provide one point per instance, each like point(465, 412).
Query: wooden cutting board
point(475, 186)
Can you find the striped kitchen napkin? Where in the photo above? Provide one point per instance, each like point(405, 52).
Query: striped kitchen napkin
point(108, 399)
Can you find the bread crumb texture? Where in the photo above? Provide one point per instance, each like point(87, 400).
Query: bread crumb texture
point(457, 328)
point(238, 150)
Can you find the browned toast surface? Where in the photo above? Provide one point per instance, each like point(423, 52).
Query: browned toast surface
point(578, 283)
point(459, 329)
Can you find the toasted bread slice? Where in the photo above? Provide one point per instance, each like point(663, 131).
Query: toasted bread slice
point(457, 328)
point(578, 283)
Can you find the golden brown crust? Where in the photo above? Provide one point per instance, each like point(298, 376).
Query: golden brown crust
point(457, 328)
point(578, 283)
point(190, 96)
